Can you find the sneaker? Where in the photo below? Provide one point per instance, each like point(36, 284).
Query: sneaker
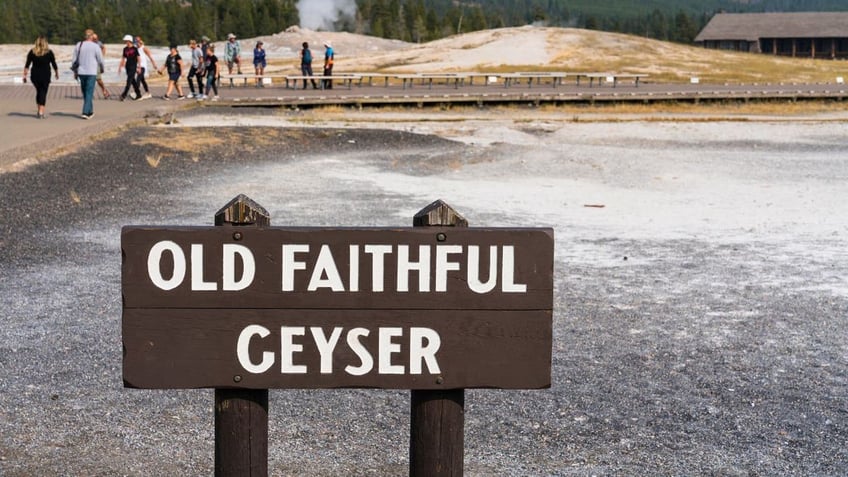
point(123, 97)
point(181, 97)
point(216, 98)
point(190, 95)
point(146, 96)
point(200, 97)
point(86, 116)
point(166, 97)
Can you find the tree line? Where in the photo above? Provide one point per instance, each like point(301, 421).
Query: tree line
point(158, 21)
point(165, 21)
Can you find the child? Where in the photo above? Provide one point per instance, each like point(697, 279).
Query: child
point(213, 72)
point(174, 65)
point(259, 63)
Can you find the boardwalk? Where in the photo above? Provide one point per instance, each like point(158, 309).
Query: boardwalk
point(23, 137)
point(552, 91)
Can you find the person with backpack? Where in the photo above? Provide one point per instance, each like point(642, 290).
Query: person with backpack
point(306, 64)
point(86, 62)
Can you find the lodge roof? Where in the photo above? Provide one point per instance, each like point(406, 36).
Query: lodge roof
point(753, 26)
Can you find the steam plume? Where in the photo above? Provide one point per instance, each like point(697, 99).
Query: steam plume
point(322, 14)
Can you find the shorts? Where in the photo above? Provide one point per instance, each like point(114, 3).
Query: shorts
point(174, 76)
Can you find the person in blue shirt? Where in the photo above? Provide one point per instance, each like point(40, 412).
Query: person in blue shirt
point(329, 59)
point(306, 64)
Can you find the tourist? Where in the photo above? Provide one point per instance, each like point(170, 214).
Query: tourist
point(306, 64)
point(259, 63)
point(196, 70)
point(41, 59)
point(88, 60)
point(329, 59)
point(213, 71)
point(232, 54)
point(145, 59)
point(100, 83)
point(129, 62)
point(174, 66)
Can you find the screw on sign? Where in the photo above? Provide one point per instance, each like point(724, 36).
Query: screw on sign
point(433, 309)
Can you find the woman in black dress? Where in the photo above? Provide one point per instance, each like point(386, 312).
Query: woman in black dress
point(41, 59)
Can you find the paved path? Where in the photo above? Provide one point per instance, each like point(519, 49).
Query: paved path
point(25, 138)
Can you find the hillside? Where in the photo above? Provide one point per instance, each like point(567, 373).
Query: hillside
point(569, 49)
point(506, 49)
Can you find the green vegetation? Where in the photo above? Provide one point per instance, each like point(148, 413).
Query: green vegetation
point(164, 21)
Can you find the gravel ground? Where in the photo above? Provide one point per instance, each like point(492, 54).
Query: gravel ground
point(700, 308)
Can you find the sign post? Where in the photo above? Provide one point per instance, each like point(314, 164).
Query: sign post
point(241, 415)
point(437, 418)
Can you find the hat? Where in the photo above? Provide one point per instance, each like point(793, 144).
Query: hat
point(327, 44)
point(259, 43)
point(204, 38)
point(128, 38)
point(230, 36)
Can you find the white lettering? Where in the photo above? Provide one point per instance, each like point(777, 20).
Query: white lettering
point(474, 282)
point(243, 348)
point(289, 264)
point(325, 265)
point(443, 264)
point(326, 346)
point(420, 353)
point(229, 267)
point(288, 348)
point(353, 285)
point(422, 266)
point(508, 284)
point(386, 349)
point(154, 259)
point(377, 264)
point(424, 344)
point(367, 362)
point(197, 283)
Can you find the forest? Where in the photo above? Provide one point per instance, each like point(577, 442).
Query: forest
point(164, 21)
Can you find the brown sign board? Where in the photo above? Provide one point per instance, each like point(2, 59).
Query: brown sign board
point(399, 308)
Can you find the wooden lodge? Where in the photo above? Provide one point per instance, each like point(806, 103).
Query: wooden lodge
point(804, 34)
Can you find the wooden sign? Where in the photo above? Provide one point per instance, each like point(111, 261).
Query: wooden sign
point(403, 308)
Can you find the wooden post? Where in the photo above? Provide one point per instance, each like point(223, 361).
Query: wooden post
point(241, 415)
point(437, 418)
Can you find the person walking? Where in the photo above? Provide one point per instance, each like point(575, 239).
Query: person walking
point(196, 70)
point(213, 71)
point(129, 61)
point(329, 59)
point(145, 59)
point(100, 83)
point(174, 66)
point(41, 59)
point(306, 64)
point(259, 63)
point(232, 54)
point(89, 60)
